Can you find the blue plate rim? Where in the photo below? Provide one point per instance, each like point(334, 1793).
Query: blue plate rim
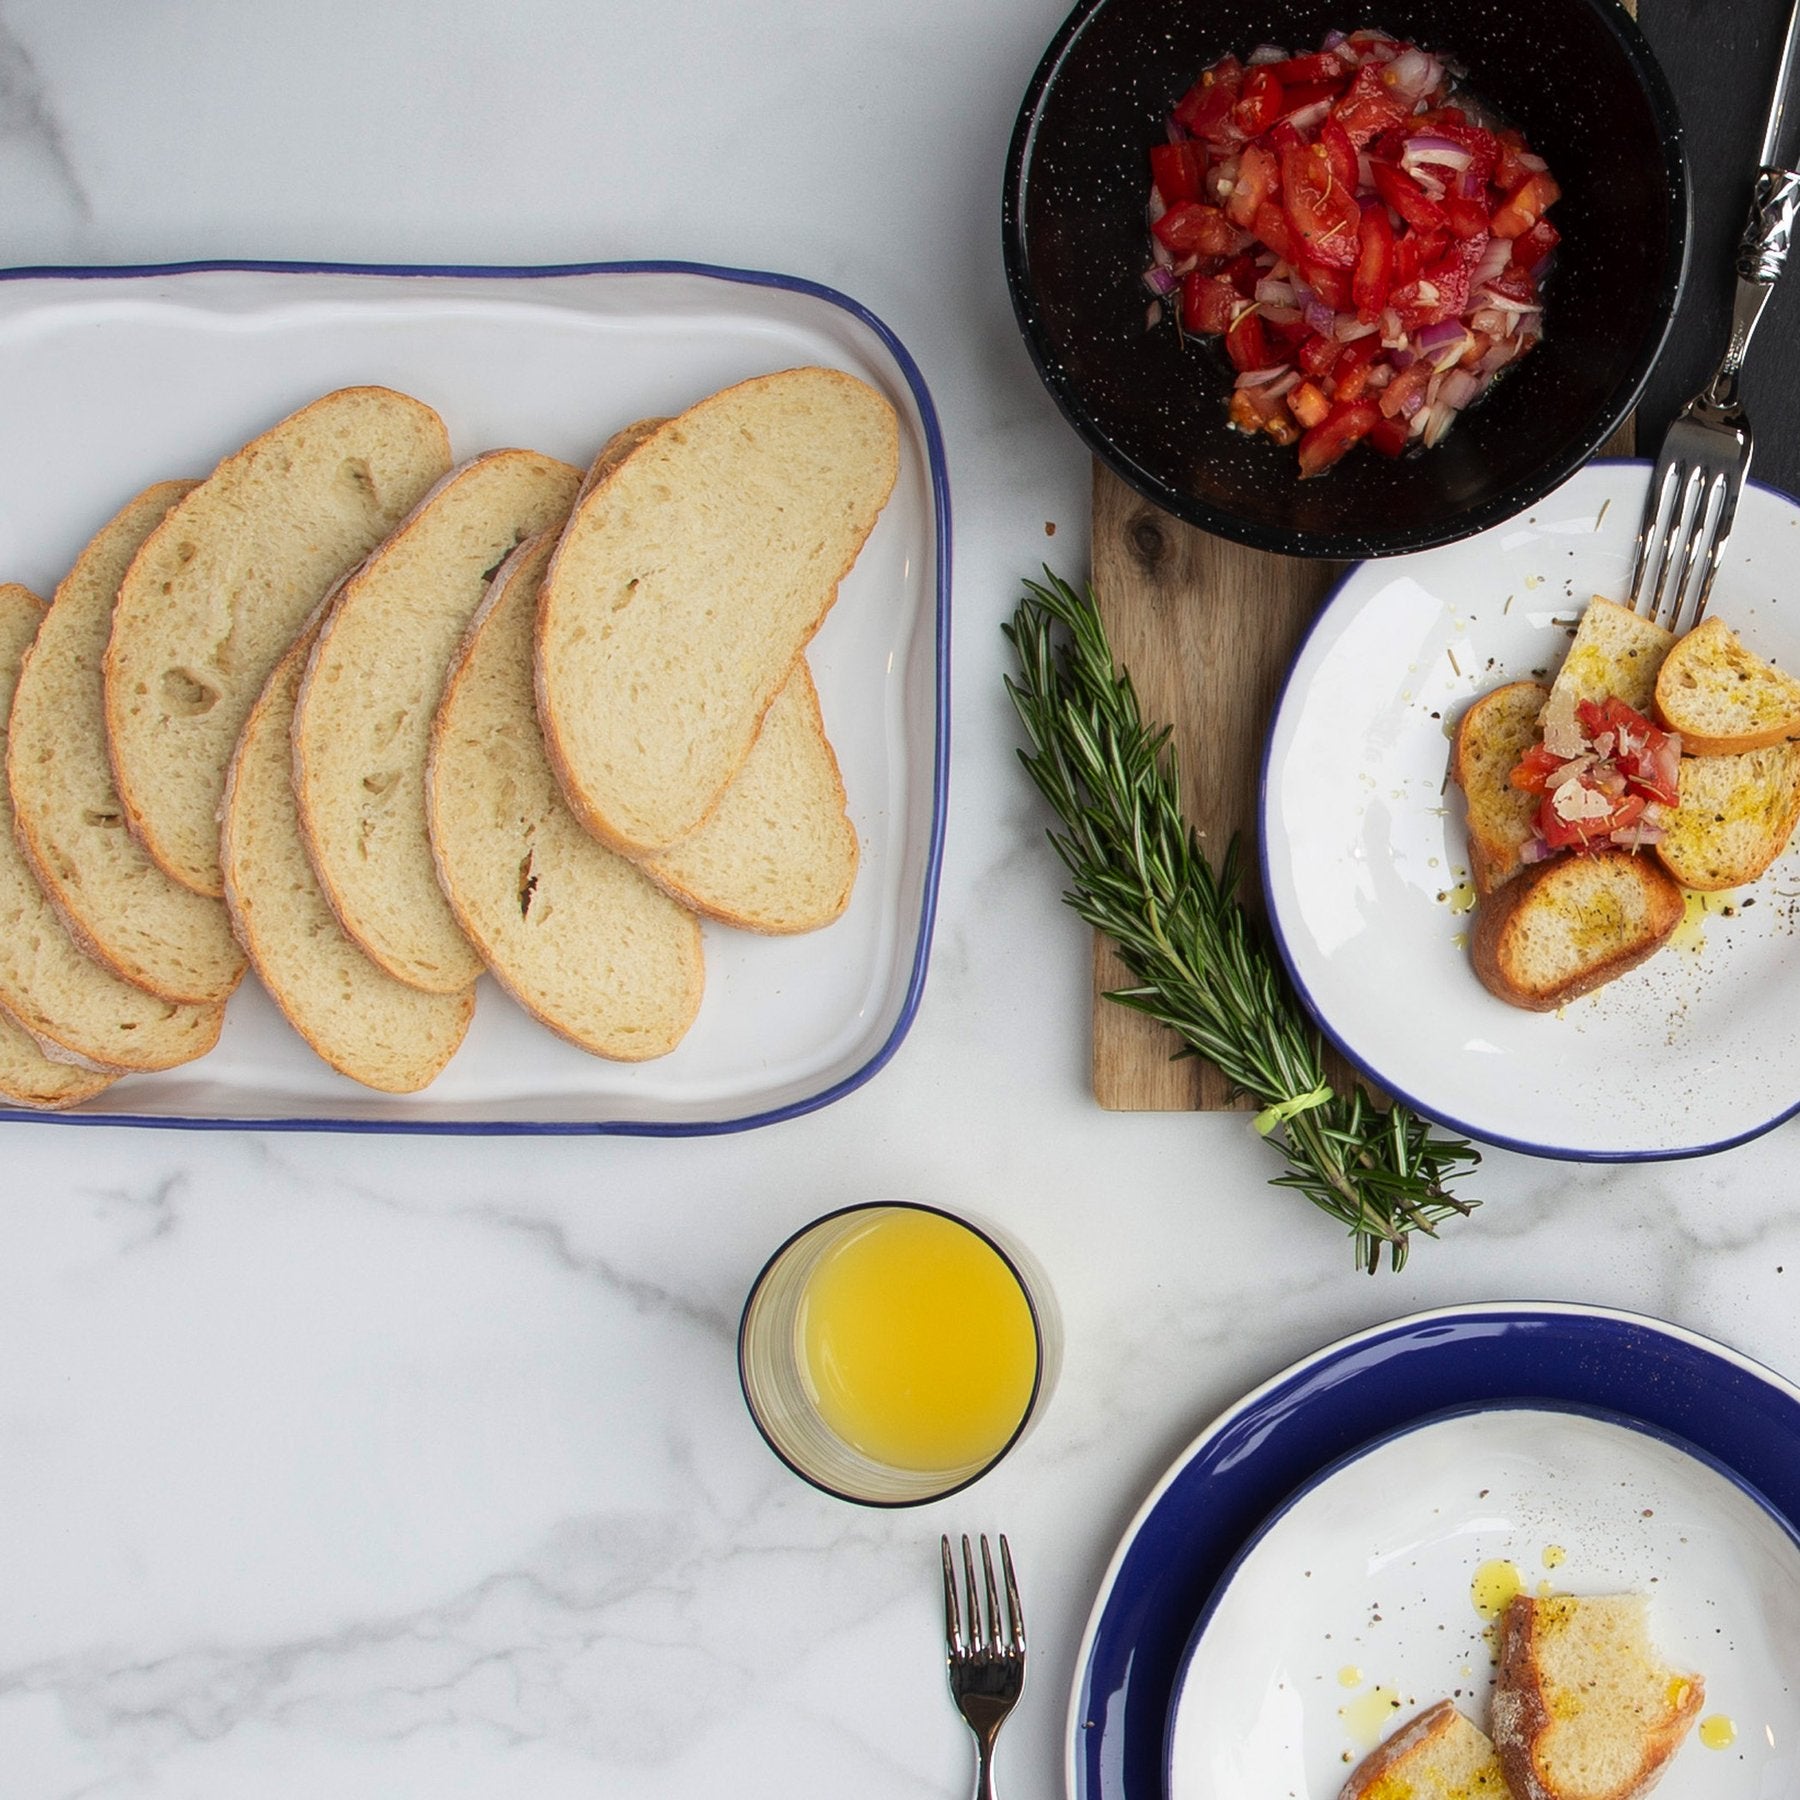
point(1300, 1419)
point(1399, 1090)
point(938, 464)
point(1596, 1414)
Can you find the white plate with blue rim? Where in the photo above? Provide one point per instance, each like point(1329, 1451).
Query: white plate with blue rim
point(1372, 1593)
point(1366, 870)
point(118, 377)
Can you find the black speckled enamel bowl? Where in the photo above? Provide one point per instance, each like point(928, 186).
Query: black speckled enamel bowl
point(1575, 75)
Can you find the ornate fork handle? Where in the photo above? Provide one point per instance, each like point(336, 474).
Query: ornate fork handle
point(1762, 254)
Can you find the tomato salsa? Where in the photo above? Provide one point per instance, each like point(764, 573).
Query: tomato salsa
point(1370, 254)
point(1613, 781)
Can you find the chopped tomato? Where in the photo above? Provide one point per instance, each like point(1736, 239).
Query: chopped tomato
point(1525, 205)
point(1258, 172)
point(1374, 264)
point(1369, 108)
point(1450, 122)
point(1259, 104)
point(1324, 444)
point(1515, 283)
point(1649, 758)
point(1405, 394)
point(1567, 834)
point(1208, 304)
point(1205, 109)
point(1242, 273)
point(1298, 99)
point(1351, 373)
point(1317, 353)
point(1531, 773)
point(1342, 153)
point(1179, 170)
point(1531, 249)
point(1331, 285)
point(1389, 436)
point(1466, 218)
point(1308, 404)
point(1407, 198)
point(1322, 65)
point(1246, 343)
point(1509, 170)
point(1323, 213)
point(1449, 280)
point(1271, 227)
point(1191, 228)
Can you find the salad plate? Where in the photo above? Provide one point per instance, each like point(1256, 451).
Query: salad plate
point(116, 378)
point(1701, 1428)
point(1372, 1594)
point(1366, 868)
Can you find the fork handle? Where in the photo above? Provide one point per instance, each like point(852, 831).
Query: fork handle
point(1769, 232)
point(984, 1764)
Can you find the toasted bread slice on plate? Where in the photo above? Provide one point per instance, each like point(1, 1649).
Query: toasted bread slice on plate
point(362, 728)
point(689, 580)
point(1584, 1708)
point(1493, 734)
point(1735, 817)
point(1614, 652)
point(363, 1022)
point(576, 933)
point(1564, 927)
point(119, 905)
point(1722, 698)
point(1438, 1755)
point(223, 584)
point(73, 1007)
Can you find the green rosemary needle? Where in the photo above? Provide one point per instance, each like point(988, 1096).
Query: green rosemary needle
point(1139, 876)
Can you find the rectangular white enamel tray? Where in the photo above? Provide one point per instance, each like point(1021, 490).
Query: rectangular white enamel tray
point(114, 379)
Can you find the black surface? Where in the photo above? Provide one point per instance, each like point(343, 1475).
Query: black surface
point(1720, 58)
point(1573, 74)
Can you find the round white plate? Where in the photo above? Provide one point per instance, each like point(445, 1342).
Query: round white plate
point(1360, 1593)
point(1366, 868)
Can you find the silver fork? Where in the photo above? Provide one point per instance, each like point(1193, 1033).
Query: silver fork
point(987, 1673)
point(1706, 455)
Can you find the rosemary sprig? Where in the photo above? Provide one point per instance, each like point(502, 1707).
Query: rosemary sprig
point(1140, 877)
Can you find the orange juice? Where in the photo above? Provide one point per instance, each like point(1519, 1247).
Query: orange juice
point(917, 1343)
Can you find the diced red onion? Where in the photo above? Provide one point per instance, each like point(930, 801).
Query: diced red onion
point(1535, 849)
point(1498, 357)
point(1266, 53)
point(1275, 293)
point(1156, 206)
point(1187, 265)
point(1178, 132)
point(1320, 318)
point(1504, 302)
point(1489, 321)
point(1529, 160)
point(1282, 315)
point(1349, 328)
point(1334, 40)
point(1414, 73)
point(1153, 315)
point(1460, 387)
point(1307, 117)
point(1442, 152)
point(1469, 184)
point(1161, 280)
point(1255, 378)
point(1430, 184)
point(1493, 262)
point(1441, 418)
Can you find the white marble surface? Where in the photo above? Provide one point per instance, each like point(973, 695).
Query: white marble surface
point(394, 1468)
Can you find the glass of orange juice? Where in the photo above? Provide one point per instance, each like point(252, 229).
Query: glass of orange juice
point(892, 1353)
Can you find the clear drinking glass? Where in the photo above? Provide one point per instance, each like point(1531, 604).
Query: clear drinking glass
point(892, 1353)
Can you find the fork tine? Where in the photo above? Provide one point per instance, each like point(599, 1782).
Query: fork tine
point(993, 1597)
point(1656, 533)
point(952, 1618)
point(974, 1595)
point(1015, 1613)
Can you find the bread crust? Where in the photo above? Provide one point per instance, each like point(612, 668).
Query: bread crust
point(1710, 673)
point(1490, 738)
point(1502, 921)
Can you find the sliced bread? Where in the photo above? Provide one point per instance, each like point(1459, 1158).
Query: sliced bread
point(1614, 652)
point(30, 1078)
point(1584, 1708)
point(72, 1006)
point(1735, 816)
point(574, 932)
point(1438, 1755)
point(1564, 927)
point(119, 905)
point(222, 585)
point(779, 853)
point(1722, 698)
point(688, 582)
point(362, 727)
point(1493, 734)
point(362, 1021)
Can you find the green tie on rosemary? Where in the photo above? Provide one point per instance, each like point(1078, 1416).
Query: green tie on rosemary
point(1140, 877)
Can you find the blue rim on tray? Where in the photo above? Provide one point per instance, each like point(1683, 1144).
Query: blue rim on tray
point(1191, 1530)
point(940, 507)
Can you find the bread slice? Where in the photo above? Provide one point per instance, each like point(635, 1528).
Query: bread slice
point(1438, 1755)
point(363, 724)
point(1584, 1709)
point(73, 1007)
point(1735, 816)
point(578, 935)
point(362, 1021)
point(1614, 652)
point(779, 853)
point(30, 1078)
point(220, 588)
point(1564, 927)
point(686, 585)
point(120, 907)
point(1722, 698)
point(1493, 734)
